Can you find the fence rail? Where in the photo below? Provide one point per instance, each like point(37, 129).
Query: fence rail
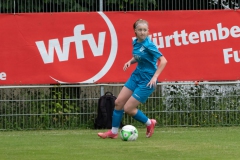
point(74, 106)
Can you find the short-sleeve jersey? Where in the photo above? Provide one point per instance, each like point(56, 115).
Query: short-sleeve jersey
point(146, 54)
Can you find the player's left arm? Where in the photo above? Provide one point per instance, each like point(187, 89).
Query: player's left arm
point(161, 66)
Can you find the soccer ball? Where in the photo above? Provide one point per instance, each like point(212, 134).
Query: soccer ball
point(129, 133)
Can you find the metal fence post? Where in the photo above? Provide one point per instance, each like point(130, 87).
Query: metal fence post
point(14, 6)
point(101, 9)
point(100, 5)
point(102, 90)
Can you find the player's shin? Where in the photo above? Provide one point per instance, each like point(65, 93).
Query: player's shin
point(116, 121)
point(141, 117)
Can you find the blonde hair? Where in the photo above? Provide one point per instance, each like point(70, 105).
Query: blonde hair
point(138, 22)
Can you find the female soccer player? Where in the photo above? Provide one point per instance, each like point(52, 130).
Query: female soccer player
point(141, 83)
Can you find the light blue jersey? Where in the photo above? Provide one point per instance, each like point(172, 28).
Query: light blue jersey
point(146, 55)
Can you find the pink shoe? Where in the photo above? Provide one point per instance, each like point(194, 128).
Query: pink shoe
point(108, 134)
point(150, 129)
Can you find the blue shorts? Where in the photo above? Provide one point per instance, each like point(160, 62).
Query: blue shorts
point(137, 83)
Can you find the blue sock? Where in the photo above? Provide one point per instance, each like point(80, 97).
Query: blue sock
point(141, 117)
point(117, 117)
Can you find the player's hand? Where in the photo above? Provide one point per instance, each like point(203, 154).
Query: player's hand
point(126, 65)
point(152, 83)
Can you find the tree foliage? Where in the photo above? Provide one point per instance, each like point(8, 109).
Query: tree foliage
point(26, 6)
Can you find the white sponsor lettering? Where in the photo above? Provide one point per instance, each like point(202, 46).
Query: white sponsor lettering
point(78, 38)
point(3, 76)
point(229, 53)
point(137, 95)
point(184, 38)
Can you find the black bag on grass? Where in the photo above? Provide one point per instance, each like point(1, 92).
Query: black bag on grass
point(106, 104)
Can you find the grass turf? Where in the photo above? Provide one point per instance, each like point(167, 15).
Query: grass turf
point(219, 143)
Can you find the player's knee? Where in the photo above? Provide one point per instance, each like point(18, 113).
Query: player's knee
point(118, 104)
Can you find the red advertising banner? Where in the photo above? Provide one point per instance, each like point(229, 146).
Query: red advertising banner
point(92, 47)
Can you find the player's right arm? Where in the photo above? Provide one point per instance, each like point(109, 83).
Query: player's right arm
point(131, 61)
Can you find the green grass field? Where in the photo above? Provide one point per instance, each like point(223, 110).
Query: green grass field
point(166, 143)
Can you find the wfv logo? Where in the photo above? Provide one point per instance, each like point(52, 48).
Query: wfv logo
point(78, 38)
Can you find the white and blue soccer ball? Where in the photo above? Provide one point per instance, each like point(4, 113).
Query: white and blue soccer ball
point(129, 133)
